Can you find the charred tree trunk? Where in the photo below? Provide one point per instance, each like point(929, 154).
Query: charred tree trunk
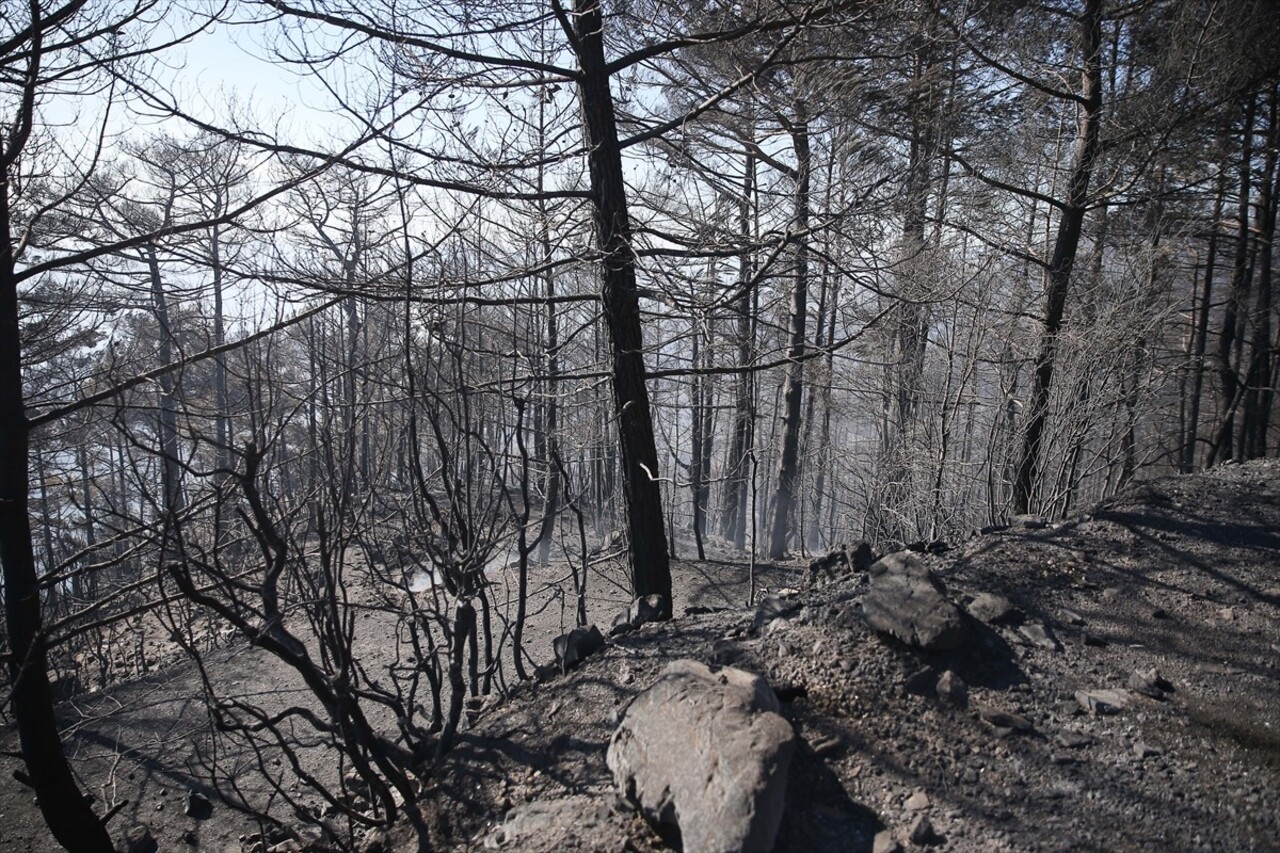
point(733, 521)
point(620, 301)
point(1259, 392)
point(793, 395)
point(1229, 386)
point(65, 809)
point(1200, 333)
point(171, 472)
point(1070, 224)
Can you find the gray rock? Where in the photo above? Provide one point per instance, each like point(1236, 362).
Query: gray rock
point(1099, 702)
point(917, 802)
point(545, 825)
point(1072, 740)
point(992, 609)
point(649, 608)
point(621, 624)
point(922, 682)
point(1005, 720)
point(1070, 617)
point(1146, 750)
point(1038, 635)
point(922, 832)
point(951, 690)
point(574, 647)
point(885, 843)
point(197, 806)
point(138, 839)
point(706, 753)
point(773, 607)
point(1149, 683)
point(908, 602)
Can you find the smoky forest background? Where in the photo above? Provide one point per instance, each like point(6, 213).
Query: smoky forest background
point(523, 282)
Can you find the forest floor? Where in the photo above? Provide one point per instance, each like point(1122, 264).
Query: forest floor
point(1181, 575)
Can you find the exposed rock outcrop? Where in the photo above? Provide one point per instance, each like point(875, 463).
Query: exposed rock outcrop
point(704, 755)
point(908, 602)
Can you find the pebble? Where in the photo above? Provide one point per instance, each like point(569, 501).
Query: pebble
point(1145, 750)
point(885, 843)
point(1099, 702)
point(1038, 635)
point(1005, 719)
point(917, 802)
point(921, 831)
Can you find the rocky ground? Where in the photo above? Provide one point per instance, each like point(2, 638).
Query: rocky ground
point(1056, 747)
point(1126, 698)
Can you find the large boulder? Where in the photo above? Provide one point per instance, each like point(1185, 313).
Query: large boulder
point(908, 602)
point(704, 755)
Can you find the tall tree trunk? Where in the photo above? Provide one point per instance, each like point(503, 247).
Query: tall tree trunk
point(1200, 332)
point(222, 397)
point(1070, 224)
point(1229, 389)
point(733, 520)
point(1259, 391)
point(65, 809)
point(551, 408)
point(171, 472)
point(701, 446)
point(789, 459)
point(650, 564)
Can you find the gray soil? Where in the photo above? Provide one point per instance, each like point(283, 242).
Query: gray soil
point(1181, 575)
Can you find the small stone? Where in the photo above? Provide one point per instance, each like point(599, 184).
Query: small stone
point(197, 806)
point(1146, 750)
point(138, 839)
point(1099, 702)
point(991, 608)
point(917, 802)
point(1005, 719)
point(827, 746)
point(951, 690)
point(1072, 740)
point(920, 683)
point(1072, 618)
point(1038, 635)
point(621, 624)
point(921, 831)
point(1159, 613)
point(1149, 683)
point(885, 843)
point(649, 608)
point(771, 608)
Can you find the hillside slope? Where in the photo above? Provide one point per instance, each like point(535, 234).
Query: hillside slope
point(1180, 575)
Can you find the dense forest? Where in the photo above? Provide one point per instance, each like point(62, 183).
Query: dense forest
point(751, 277)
